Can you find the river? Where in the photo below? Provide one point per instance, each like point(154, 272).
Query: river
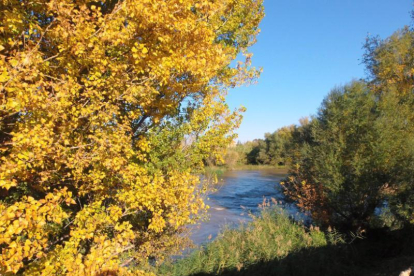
point(238, 193)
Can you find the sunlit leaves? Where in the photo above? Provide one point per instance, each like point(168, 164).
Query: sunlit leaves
point(108, 110)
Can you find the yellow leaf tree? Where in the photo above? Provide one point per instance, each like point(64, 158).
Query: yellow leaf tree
point(107, 111)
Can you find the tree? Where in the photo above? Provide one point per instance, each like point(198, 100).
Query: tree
point(273, 149)
point(340, 181)
point(107, 111)
point(301, 139)
point(390, 63)
point(359, 156)
point(258, 153)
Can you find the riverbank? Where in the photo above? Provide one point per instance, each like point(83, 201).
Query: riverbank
point(273, 244)
point(219, 170)
point(280, 169)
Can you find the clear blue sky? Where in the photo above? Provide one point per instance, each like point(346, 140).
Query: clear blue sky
point(307, 47)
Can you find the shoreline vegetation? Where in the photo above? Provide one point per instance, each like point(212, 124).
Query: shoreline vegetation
point(220, 170)
point(274, 244)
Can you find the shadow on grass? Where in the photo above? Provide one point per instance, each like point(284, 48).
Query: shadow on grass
point(381, 253)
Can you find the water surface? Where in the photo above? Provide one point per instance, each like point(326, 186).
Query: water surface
point(238, 194)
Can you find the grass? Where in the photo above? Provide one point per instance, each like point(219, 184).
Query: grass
point(219, 170)
point(271, 236)
point(215, 170)
point(282, 169)
point(273, 244)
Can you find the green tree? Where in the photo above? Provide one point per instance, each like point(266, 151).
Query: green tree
point(340, 179)
point(390, 63)
point(359, 155)
point(257, 146)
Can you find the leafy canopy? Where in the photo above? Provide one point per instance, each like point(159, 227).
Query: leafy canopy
point(107, 111)
point(359, 160)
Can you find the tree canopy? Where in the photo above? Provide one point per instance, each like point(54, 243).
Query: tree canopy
point(359, 159)
point(107, 111)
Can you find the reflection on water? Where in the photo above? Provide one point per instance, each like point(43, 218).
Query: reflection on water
point(238, 193)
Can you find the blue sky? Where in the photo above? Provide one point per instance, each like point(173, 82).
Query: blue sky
point(306, 48)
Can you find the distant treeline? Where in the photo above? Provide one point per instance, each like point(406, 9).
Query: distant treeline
point(278, 148)
point(352, 164)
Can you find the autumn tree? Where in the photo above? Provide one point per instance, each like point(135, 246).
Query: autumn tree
point(107, 111)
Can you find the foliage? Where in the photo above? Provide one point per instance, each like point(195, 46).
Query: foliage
point(342, 181)
point(268, 237)
point(231, 159)
point(278, 148)
point(360, 158)
point(390, 62)
point(107, 111)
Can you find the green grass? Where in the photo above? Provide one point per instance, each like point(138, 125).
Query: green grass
point(269, 237)
point(273, 244)
point(282, 169)
point(219, 170)
point(214, 170)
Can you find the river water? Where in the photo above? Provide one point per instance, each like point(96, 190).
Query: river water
point(238, 193)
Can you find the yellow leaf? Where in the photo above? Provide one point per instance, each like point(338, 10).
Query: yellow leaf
point(13, 62)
